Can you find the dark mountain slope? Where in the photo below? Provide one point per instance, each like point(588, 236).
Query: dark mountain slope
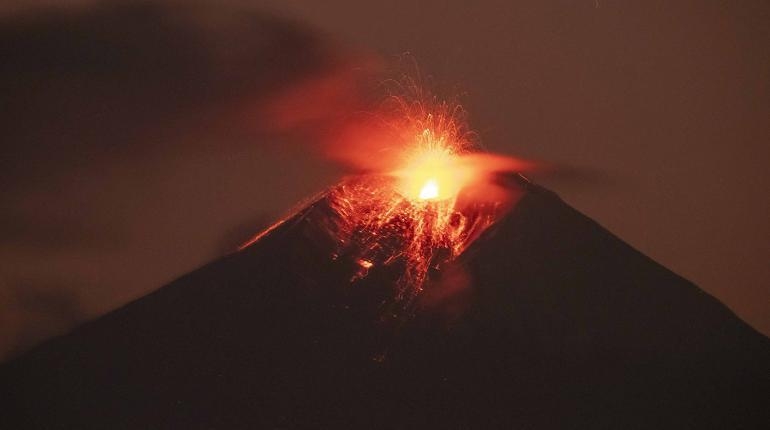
point(561, 325)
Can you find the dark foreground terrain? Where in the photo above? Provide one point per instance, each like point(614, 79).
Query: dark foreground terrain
point(555, 324)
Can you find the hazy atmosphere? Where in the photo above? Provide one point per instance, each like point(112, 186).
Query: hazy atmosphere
point(140, 139)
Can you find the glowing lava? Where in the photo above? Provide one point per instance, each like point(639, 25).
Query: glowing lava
point(430, 191)
point(409, 220)
point(432, 171)
point(428, 198)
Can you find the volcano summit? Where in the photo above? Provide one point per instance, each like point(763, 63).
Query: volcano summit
point(545, 320)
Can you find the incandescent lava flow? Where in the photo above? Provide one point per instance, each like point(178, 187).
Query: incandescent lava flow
point(428, 208)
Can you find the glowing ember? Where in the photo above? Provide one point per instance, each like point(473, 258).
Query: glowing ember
point(410, 219)
point(427, 200)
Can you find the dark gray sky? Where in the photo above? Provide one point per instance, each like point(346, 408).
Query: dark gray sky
point(670, 100)
point(130, 155)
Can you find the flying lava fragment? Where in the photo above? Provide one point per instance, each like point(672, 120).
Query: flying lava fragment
point(426, 204)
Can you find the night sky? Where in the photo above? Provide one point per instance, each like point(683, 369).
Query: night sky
point(139, 144)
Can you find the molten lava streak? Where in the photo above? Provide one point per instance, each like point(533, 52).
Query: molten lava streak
point(418, 217)
point(424, 210)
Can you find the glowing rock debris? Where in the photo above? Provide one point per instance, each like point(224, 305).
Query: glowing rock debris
point(418, 215)
point(415, 217)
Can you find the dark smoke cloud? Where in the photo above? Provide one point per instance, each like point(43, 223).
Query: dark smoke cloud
point(133, 151)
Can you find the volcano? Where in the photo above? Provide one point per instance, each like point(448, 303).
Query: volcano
point(547, 320)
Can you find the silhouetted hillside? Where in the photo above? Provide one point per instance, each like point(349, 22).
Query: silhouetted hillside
point(560, 324)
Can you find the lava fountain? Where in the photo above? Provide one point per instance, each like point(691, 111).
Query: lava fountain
point(424, 205)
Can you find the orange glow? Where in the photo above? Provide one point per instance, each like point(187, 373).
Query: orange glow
point(431, 171)
point(414, 217)
point(425, 197)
